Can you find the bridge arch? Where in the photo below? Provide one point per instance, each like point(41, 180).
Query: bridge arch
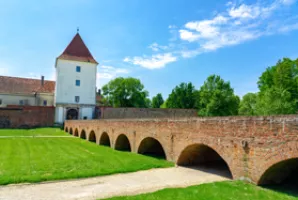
point(150, 146)
point(92, 137)
point(76, 133)
point(70, 131)
point(285, 171)
point(105, 139)
point(83, 134)
point(204, 157)
point(122, 143)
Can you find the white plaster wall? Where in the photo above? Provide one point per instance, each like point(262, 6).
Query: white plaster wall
point(87, 112)
point(66, 77)
point(14, 99)
point(59, 118)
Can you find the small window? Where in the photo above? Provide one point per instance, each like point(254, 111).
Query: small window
point(77, 99)
point(45, 102)
point(21, 102)
point(78, 82)
point(78, 69)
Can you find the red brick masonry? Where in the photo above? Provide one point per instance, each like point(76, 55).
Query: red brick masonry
point(26, 116)
point(248, 145)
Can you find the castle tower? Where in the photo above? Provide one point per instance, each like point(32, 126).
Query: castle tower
point(75, 90)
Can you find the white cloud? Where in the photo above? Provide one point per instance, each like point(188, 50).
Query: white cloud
point(157, 47)
point(106, 73)
point(288, 2)
point(237, 25)
point(154, 62)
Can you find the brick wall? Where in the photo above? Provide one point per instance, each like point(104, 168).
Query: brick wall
point(248, 145)
point(26, 116)
point(127, 113)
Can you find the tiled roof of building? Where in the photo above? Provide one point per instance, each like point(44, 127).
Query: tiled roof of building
point(78, 51)
point(25, 85)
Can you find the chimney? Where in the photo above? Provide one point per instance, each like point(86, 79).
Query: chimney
point(42, 80)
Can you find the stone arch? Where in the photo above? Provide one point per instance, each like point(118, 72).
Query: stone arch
point(76, 133)
point(83, 134)
point(92, 137)
point(151, 147)
point(70, 131)
point(105, 139)
point(282, 172)
point(66, 129)
point(205, 158)
point(122, 143)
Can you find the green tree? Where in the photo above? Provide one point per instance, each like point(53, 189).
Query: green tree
point(125, 92)
point(279, 88)
point(248, 104)
point(217, 98)
point(182, 96)
point(157, 101)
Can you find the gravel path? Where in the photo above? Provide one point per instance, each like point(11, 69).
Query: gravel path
point(108, 186)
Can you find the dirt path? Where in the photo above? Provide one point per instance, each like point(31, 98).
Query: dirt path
point(108, 186)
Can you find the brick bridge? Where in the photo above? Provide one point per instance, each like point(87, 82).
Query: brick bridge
point(263, 150)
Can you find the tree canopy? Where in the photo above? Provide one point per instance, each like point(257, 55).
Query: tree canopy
point(125, 92)
point(279, 89)
point(157, 101)
point(217, 98)
point(182, 96)
point(248, 104)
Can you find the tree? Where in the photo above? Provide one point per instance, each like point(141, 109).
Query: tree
point(157, 101)
point(217, 98)
point(279, 88)
point(248, 104)
point(182, 96)
point(125, 92)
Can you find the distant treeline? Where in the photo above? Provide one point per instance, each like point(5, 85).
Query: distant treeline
point(278, 94)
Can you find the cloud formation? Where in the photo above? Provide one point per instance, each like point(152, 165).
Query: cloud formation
point(156, 61)
point(237, 24)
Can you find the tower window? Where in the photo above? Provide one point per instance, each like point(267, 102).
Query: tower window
point(78, 68)
point(77, 99)
point(78, 82)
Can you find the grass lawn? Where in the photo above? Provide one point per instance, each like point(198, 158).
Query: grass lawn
point(229, 190)
point(33, 132)
point(42, 159)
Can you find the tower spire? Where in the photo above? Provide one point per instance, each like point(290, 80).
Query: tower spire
point(78, 29)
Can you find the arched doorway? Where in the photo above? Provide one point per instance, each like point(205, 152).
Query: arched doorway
point(122, 143)
point(70, 131)
point(66, 130)
point(204, 158)
point(72, 114)
point(76, 133)
point(105, 139)
point(282, 176)
point(83, 134)
point(151, 147)
point(92, 137)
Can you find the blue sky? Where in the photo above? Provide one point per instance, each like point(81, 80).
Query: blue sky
point(163, 43)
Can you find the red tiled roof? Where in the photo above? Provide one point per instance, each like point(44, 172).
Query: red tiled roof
point(78, 51)
point(25, 85)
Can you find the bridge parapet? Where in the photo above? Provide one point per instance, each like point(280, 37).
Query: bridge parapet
point(248, 145)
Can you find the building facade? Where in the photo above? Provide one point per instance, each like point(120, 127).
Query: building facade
point(74, 92)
